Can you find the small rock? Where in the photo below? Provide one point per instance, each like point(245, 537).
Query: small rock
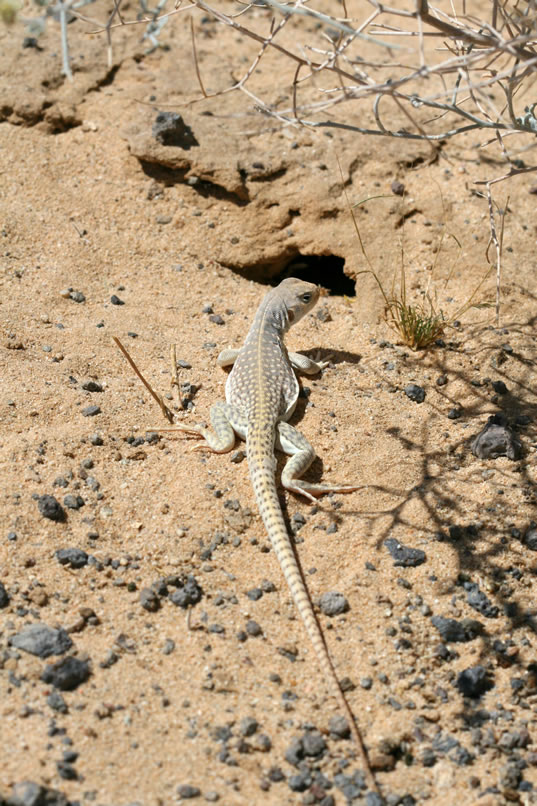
point(116, 300)
point(149, 600)
point(187, 791)
point(73, 501)
point(91, 411)
point(480, 601)
point(454, 414)
point(41, 640)
point(403, 555)
point(457, 631)
point(474, 682)
point(170, 129)
point(314, 745)
point(4, 596)
point(339, 727)
point(189, 593)
point(398, 188)
point(92, 386)
point(216, 319)
point(50, 508)
point(499, 387)
point(57, 702)
point(248, 726)
point(67, 674)
point(530, 537)
point(415, 392)
point(497, 439)
point(253, 628)
point(28, 793)
point(75, 558)
point(77, 296)
point(333, 604)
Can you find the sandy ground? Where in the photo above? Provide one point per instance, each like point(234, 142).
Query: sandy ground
point(92, 203)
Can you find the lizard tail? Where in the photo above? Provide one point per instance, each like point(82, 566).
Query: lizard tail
point(262, 475)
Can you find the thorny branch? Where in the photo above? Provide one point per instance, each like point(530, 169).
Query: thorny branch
point(473, 76)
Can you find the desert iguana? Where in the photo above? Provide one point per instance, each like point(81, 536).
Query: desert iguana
point(261, 395)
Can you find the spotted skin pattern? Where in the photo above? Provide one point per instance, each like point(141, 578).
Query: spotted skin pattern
point(261, 395)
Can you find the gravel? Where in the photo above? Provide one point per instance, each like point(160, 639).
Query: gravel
point(41, 640)
point(403, 555)
point(530, 537)
point(50, 508)
point(248, 726)
point(333, 604)
point(73, 557)
point(57, 702)
point(67, 674)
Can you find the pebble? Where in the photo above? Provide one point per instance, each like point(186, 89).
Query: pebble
point(186, 791)
point(57, 702)
point(96, 439)
point(473, 682)
point(479, 600)
point(333, 604)
point(66, 674)
point(530, 537)
point(313, 744)
point(248, 726)
point(73, 501)
point(168, 647)
point(398, 188)
point(91, 386)
point(441, 380)
point(415, 392)
point(41, 640)
point(170, 129)
point(91, 411)
point(4, 596)
point(403, 555)
point(149, 600)
point(50, 508)
point(188, 594)
point(452, 630)
point(73, 557)
point(216, 319)
point(496, 439)
point(499, 387)
point(116, 300)
point(254, 594)
point(454, 414)
point(28, 793)
point(339, 727)
point(253, 628)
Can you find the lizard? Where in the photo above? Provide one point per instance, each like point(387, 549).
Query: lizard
point(261, 395)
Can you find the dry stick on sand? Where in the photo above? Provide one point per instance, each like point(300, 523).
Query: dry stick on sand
point(168, 413)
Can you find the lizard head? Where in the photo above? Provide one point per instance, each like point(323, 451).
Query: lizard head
point(297, 298)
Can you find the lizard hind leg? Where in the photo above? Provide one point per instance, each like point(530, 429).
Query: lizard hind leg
point(295, 445)
point(220, 438)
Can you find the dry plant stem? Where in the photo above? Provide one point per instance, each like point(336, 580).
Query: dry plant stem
point(498, 243)
point(175, 375)
point(164, 408)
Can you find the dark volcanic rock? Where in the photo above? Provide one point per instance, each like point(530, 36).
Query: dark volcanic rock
point(41, 640)
point(50, 508)
point(474, 682)
point(67, 674)
point(497, 439)
point(457, 631)
point(403, 555)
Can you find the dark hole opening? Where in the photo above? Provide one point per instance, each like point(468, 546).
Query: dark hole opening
point(324, 270)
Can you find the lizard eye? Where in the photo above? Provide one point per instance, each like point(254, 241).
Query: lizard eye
point(306, 297)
